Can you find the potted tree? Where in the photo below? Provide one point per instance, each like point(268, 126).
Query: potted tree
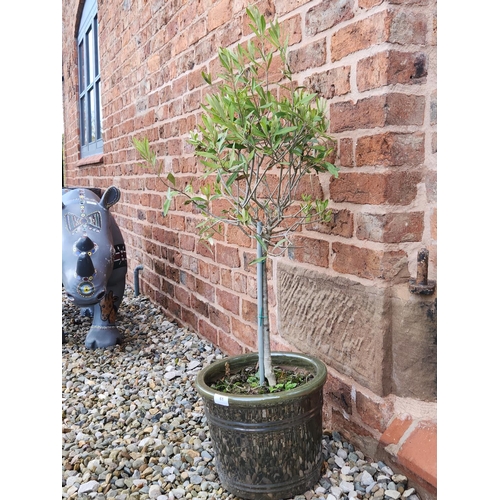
point(260, 141)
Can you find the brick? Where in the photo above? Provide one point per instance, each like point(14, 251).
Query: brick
point(390, 67)
point(419, 452)
point(334, 82)
point(391, 227)
point(219, 14)
point(360, 35)
point(434, 223)
point(408, 27)
point(247, 334)
point(219, 318)
point(229, 345)
point(342, 224)
point(207, 331)
point(309, 250)
point(397, 188)
point(228, 256)
point(310, 56)
point(346, 152)
point(366, 113)
point(327, 14)
point(390, 149)
point(236, 236)
point(368, 263)
point(374, 411)
point(248, 310)
point(205, 290)
point(337, 392)
point(228, 301)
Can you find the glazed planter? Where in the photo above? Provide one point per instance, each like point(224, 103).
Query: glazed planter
point(267, 446)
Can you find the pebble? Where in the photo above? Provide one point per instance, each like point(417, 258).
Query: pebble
point(133, 425)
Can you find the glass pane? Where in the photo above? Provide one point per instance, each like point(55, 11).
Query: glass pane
point(91, 53)
point(81, 61)
point(96, 31)
point(83, 120)
point(92, 116)
point(98, 109)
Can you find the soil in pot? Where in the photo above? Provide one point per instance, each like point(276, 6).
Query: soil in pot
point(246, 380)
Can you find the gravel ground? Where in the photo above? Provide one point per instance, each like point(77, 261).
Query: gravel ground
point(133, 425)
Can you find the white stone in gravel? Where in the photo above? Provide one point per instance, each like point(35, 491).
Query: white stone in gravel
point(154, 491)
point(394, 494)
point(178, 492)
point(339, 461)
point(408, 492)
point(367, 479)
point(193, 364)
point(75, 479)
point(335, 490)
point(332, 497)
point(172, 374)
point(88, 487)
point(342, 453)
point(346, 486)
point(387, 470)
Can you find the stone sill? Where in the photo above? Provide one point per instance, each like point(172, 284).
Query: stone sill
point(90, 160)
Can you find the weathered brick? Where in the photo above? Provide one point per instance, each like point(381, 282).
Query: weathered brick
point(327, 14)
point(408, 27)
point(229, 345)
point(247, 334)
point(397, 188)
point(208, 331)
point(220, 13)
point(390, 67)
point(368, 263)
point(205, 290)
point(390, 227)
point(310, 56)
point(309, 250)
point(228, 301)
point(334, 82)
point(390, 149)
point(341, 224)
point(346, 152)
point(219, 318)
point(374, 411)
point(228, 256)
point(360, 35)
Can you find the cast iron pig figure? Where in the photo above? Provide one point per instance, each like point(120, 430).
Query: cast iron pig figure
point(94, 262)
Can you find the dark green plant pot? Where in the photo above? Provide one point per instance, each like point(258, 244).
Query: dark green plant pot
point(266, 446)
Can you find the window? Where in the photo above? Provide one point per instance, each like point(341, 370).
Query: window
point(89, 82)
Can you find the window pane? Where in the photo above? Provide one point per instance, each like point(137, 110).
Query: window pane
point(98, 109)
point(92, 116)
point(96, 31)
point(81, 60)
point(90, 42)
point(83, 120)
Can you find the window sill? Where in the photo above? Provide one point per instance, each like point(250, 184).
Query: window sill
point(90, 160)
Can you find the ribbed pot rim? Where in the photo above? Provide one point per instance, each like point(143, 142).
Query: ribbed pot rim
point(216, 368)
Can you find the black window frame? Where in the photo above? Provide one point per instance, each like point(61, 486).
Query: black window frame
point(89, 82)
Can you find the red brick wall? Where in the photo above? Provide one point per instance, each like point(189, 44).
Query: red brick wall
point(375, 62)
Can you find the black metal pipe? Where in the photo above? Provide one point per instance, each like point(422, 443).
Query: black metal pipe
point(136, 279)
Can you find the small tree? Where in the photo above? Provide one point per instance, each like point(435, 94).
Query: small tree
point(260, 137)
